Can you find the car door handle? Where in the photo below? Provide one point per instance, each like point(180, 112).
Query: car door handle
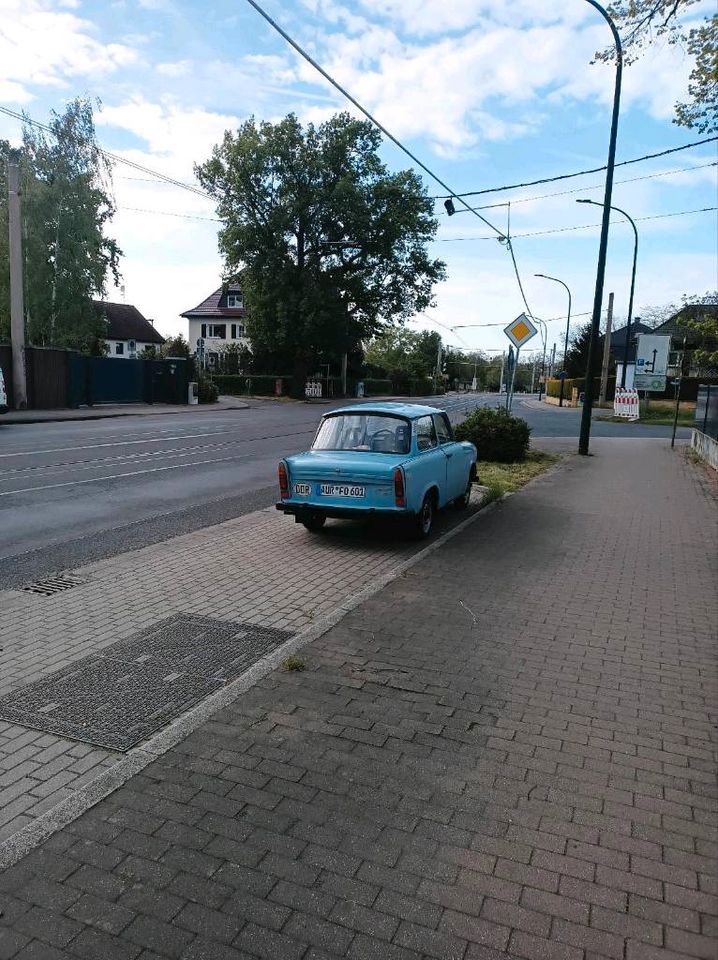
point(448, 455)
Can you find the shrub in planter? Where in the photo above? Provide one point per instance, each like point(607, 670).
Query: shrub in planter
point(496, 434)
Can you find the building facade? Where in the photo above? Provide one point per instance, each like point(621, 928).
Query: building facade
point(217, 322)
point(127, 332)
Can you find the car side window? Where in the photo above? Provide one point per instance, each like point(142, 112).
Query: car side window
point(443, 428)
point(425, 433)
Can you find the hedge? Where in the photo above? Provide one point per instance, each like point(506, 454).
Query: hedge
point(238, 385)
point(553, 387)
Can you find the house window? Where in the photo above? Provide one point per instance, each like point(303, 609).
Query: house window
point(235, 300)
point(119, 348)
point(218, 331)
point(204, 330)
point(237, 331)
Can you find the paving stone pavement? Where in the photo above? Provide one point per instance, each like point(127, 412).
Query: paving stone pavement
point(260, 569)
point(510, 751)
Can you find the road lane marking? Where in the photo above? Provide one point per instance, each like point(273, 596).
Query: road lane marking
point(121, 476)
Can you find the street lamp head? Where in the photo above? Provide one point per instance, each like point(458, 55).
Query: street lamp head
point(590, 201)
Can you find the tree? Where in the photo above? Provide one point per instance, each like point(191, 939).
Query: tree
point(329, 246)
point(642, 22)
point(401, 353)
point(235, 358)
point(577, 356)
point(175, 347)
point(67, 204)
point(702, 316)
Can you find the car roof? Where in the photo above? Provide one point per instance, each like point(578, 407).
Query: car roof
point(409, 410)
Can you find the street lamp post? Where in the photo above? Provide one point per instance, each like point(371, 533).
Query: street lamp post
point(627, 341)
point(568, 323)
point(603, 245)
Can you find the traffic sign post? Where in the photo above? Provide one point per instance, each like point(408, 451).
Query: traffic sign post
point(651, 363)
point(519, 332)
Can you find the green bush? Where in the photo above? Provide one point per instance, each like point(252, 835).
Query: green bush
point(496, 434)
point(207, 391)
point(258, 385)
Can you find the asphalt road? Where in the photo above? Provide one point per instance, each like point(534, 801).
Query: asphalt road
point(77, 491)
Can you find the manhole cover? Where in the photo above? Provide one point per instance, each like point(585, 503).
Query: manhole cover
point(120, 696)
point(52, 585)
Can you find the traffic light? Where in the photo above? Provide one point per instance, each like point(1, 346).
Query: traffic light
point(450, 208)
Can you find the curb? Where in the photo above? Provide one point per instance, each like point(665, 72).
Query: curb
point(68, 810)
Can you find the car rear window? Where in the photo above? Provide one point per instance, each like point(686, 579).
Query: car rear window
point(363, 432)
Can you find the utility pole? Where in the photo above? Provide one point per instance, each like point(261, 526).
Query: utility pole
point(533, 373)
point(501, 375)
point(17, 307)
point(606, 353)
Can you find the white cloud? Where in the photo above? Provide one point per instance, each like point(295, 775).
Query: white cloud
point(177, 136)
point(43, 45)
point(180, 68)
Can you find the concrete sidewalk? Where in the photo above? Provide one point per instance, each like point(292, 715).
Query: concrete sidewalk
point(102, 411)
point(507, 752)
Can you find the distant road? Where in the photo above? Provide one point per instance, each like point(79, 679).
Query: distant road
point(75, 491)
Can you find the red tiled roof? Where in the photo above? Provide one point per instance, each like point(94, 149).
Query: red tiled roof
point(215, 306)
point(125, 322)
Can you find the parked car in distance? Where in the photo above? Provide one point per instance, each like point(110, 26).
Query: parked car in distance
point(383, 460)
point(3, 394)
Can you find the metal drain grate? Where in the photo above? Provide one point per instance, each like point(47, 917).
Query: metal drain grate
point(52, 585)
point(123, 694)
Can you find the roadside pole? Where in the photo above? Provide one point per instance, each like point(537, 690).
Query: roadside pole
point(17, 307)
point(606, 353)
point(678, 393)
point(501, 375)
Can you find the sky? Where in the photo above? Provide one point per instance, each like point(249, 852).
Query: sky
point(487, 93)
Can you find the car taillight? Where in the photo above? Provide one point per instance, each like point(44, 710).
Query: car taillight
point(399, 494)
point(283, 481)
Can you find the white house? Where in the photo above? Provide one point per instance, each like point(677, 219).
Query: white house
point(127, 332)
point(219, 321)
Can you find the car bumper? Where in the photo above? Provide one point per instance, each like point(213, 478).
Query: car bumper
point(301, 511)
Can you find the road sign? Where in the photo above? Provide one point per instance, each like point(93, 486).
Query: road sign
point(200, 343)
point(520, 330)
point(651, 363)
point(563, 375)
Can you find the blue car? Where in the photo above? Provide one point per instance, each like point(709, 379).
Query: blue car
point(384, 460)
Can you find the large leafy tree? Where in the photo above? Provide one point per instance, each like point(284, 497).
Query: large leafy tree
point(642, 22)
point(330, 246)
point(66, 207)
point(404, 353)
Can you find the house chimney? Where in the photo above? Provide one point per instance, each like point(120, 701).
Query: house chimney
point(122, 293)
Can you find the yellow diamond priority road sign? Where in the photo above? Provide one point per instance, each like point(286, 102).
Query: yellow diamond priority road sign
point(520, 331)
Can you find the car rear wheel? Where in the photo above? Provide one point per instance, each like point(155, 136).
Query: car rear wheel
point(424, 520)
point(462, 502)
point(314, 522)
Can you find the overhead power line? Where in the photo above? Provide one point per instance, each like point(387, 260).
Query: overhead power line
point(579, 173)
point(589, 226)
point(113, 156)
point(594, 186)
point(345, 93)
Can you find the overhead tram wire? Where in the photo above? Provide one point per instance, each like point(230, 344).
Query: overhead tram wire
point(579, 173)
point(589, 226)
point(345, 93)
point(596, 186)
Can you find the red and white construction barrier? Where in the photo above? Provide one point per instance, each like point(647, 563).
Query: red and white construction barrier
point(625, 404)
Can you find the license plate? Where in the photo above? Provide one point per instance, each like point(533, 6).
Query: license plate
point(302, 489)
point(340, 490)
